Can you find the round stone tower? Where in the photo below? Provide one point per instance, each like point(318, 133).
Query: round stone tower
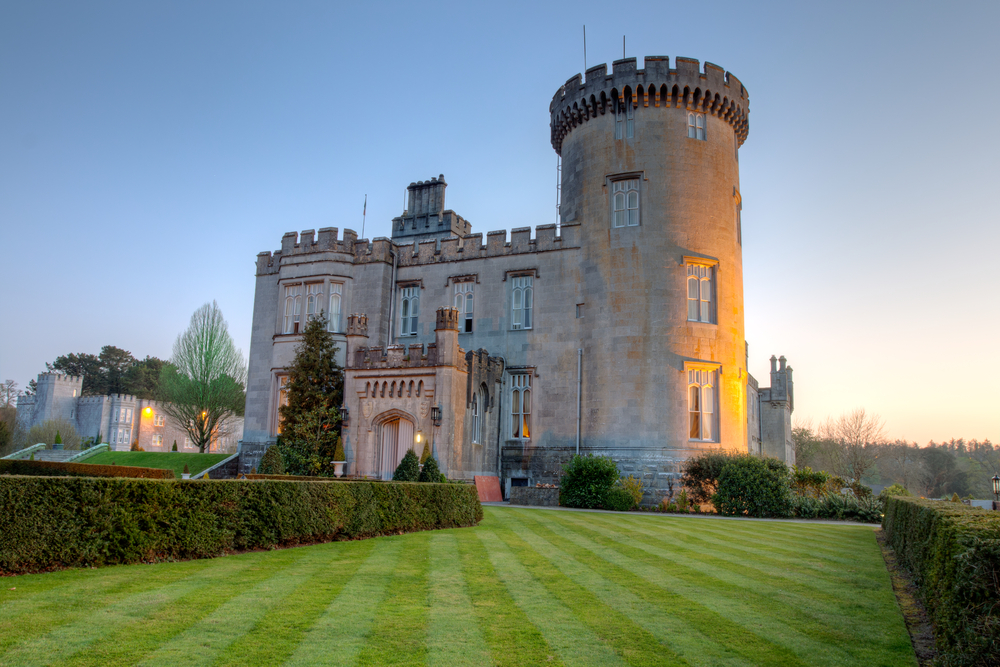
point(650, 171)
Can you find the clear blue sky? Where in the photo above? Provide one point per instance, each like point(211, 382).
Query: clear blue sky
point(149, 151)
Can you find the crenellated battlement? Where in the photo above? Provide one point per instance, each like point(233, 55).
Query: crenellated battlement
point(709, 90)
point(54, 378)
point(396, 356)
point(419, 253)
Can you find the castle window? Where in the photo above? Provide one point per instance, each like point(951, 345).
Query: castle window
point(409, 310)
point(314, 300)
point(625, 202)
point(336, 294)
point(158, 420)
point(700, 279)
point(157, 440)
point(280, 402)
point(520, 406)
point(739, 224)
point(701, 405)
point(476, 419)
point(696, 126)
point(293, 308)
point(464, 303)
point(625, 119)
point(521, 302)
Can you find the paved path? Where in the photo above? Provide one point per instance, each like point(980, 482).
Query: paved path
point(825, 522)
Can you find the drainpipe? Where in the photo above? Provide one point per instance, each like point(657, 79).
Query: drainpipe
point(579, 395)
point(500, 420)
point(392, 299)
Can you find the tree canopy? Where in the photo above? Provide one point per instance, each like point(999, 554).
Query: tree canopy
point(204, 383)
point(113, 371)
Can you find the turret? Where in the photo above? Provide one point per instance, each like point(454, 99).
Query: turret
point(425, 217)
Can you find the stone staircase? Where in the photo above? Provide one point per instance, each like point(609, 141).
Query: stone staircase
point(55, 454)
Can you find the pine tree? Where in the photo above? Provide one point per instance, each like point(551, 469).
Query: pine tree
point(408, 469)
point(427, 453)
point(58, 439)
point(174, 448)
point(311, 418)
point(271, 463)
point(430, 472)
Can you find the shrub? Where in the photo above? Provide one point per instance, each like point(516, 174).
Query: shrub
point(634, 487)
point(186, 471)
point(806, 481)
point(893, 490)
point(682, 502)
point(618, 499)
point(430, 471)
point(426, 454)
point(174, 448)
point(701, 474)
point(408, 469)
point(52, 522)
point(953, 552)
point(843, 507)
point(338, 451)
point(35, 468)
point(272, 463)
point(58, 440)
point(751, 486)
point(586, 481)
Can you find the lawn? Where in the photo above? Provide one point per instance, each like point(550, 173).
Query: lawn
point(170, 460)
point(524, 587)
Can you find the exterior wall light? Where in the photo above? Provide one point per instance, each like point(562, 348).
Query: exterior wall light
point(345, 415)
point(996, 487)
point(436, 415)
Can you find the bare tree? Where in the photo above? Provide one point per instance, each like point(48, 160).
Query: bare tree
point(986, 455)
point(204, 382)
point(859, 436)
point(8, 394)
point(901, 462)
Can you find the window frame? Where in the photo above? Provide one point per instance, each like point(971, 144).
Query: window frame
point(705, 303)
point(625, 116)
point(697, 126)
point(292, 309)
point(522, 301)
point(335, 292)
point(701, 421)
point(464, 300)
point(409, 300)
point(623, 188)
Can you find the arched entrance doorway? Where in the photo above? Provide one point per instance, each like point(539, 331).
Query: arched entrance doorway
point(395, 436)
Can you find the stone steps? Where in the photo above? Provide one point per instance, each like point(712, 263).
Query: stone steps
point(55, 454)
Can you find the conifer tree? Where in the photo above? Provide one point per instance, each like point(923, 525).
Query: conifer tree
point(408, 469)
point(311, 419)
point(427, 453)
point(430, 471)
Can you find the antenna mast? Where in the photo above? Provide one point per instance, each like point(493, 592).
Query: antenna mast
point(584, 47)
point(364, 214)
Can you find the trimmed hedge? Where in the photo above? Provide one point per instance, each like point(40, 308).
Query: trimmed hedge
point(953, 552)
point(52, 522)
point(55, 468)
point(306, 478)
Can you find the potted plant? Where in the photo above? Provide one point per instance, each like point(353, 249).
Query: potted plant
point(339, 459)
point(58, 444)
point(187, 473)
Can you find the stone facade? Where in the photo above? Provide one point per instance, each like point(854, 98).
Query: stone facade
point(618, 332)
point(118, 419)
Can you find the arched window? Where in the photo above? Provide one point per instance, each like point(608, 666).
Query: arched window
point(368, 388)
point(700, 293)
point(392, 389)
point(336, 294)
point(293, 308)
point(521, 302)
point(701, 405)
point(385, 385)
point(625, 118)
point(409, 311)
point(409, 390)
point(420, 388)
point(625, 194)
point(314, 300)
point(520, 406)
point(476, 419)
point(464, 302)
point(696, 126)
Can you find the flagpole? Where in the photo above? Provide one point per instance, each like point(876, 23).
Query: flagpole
point(364, 214)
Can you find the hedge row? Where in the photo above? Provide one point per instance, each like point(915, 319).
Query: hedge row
point(953, 552)
point(304, 478)
point(51, 468)
point(52, 522)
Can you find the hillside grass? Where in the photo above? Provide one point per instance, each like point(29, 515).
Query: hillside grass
point(525, 587)
point(169, 460)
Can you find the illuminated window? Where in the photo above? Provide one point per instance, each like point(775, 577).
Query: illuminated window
point(696, 126)
point(521, 302)
point(187, 443)
point(625, 118)
point(739, 224)
point(336, 295)
point(701, 405)
point(314, 300)
point(700, 279)
point(158, 420)
point(520, 406)
point(625, 203)
point(464, 303)
point(157, 440)
point(409, 310)
point(293, 308)
point(281, 402)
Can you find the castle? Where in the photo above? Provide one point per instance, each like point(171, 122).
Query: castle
point(118, 420)
point(618, 332)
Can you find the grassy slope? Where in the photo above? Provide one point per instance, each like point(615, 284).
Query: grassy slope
point(171, 460)
point(524, 587)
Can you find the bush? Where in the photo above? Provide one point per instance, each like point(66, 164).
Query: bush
point(174, 448)
point(839, 506)
point(701, 474)
point(46, 432)
point(338, 451)
point(586, 481)
point(430, 472)
point(751, 486)
point(953, 552)
point(272, 463)
point(426, 454)
point(618, 499)
point(634, 487)
point(58, 440)
point(35, 468)
point(186, 471)
point(893, 490)
point(52, 522)
point(408, 469)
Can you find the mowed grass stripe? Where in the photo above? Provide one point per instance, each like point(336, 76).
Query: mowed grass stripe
point(572, 640)
point(201, 643)
point(453, 639)
point(277, 635)
point(512, 638)
point(669, 626)
point(816, 642)
point(805, 609)
point(633, 644)
point(337, 636)
point(65, 640)
point(400, 626)
point(32, 614)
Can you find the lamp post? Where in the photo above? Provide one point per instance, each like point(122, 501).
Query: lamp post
point(996, 489)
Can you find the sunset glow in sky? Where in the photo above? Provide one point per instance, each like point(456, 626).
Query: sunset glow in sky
point(149, 151)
